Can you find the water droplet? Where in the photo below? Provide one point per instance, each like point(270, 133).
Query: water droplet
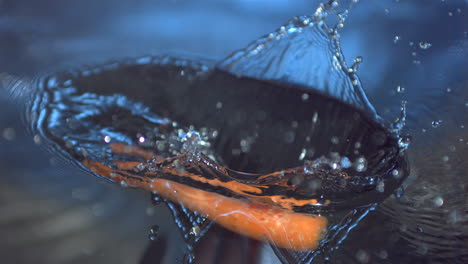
point(438, 201)
point(315, 117)
point(37, 139)
point(362, 256)
point(383, 254)
point(195, 231)
point(399, 192)
point(424, 45)
point(400, 89)
point(303, 154)
point(335, 140)
point(361, 164)
point(355, 66)
point(153, 233)
point(345, 162)
point(436, 123)
point(124, 184)
point(9, 133)
point(289, 137)
point(380, 187)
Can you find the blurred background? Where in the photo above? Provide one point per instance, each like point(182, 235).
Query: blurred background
point(416, 51)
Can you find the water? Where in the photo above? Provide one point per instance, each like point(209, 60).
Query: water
point(81, 114)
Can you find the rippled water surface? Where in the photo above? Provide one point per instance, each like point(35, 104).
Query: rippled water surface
point(284, 127)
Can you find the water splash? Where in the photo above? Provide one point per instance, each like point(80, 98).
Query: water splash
point(307, 52)
point(185, 118)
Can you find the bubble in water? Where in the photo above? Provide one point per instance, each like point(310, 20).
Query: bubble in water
point(396, 39)
point(424, 45)
point(436, 123)
point(153, 233)
point(107, 139)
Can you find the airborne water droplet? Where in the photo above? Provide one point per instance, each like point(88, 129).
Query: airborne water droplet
point(153, 233)
point(436, 123)
point(438, 201)
point(424, 45)
point(400, 89)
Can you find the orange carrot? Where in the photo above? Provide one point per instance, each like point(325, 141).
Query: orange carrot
point(282, 227)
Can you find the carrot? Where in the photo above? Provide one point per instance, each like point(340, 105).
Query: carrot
point(282, 227)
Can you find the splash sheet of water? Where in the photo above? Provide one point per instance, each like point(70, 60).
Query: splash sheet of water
point(306, 143)
point(285, 115)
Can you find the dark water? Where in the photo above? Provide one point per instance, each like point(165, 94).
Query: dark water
point(76, 114)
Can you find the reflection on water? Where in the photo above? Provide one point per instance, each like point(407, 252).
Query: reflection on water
point(168, 108)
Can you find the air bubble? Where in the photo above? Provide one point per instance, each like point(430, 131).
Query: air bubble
point(396, 39)
point(124, 184)
point(305, 96)
point(107, 139)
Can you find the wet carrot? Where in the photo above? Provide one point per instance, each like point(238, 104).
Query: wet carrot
point(282, 227)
